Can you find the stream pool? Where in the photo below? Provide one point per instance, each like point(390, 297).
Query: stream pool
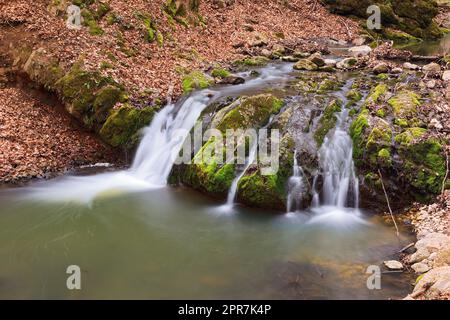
point(174, 243)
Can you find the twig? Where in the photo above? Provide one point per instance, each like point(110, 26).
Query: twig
point(406, 248)
point(446, 174)
point(387, 200)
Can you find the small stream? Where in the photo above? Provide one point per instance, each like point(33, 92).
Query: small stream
point(135, 237)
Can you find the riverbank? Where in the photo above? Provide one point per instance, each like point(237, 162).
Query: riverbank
point(38, 139)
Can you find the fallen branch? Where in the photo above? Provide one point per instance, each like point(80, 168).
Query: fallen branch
point(446, 174)
point(406, 248)
point(387, 200)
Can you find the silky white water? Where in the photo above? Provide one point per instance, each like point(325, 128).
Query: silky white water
point(296, 187)
point(158, 150)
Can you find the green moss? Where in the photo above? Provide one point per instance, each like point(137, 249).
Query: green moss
point(195, 80)
point(383, 76)
point(252, 112)
point(327, 121)
point(378, 140)
point(89, 20)
point(357, 129)
point(381, 112)
point(257, 61)
point(124, 123)
point(399, 36)
point(409, 135)
point(105, 99)
point(377, 94)
point(329, 85)
point(353, 96)
point(401, 122)
point(262, 191)
point(384, 157)
point(404, 104)
point(220, 73)
point(151, 32)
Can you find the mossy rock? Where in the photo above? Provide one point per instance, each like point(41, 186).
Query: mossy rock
point(258, 61)
point(353, 97)
point(196, 80)
point(90, 20)
point(42, 69)
point(124, 123)
point(327, 121)
point(252, 112)
point(377, 95)
point(404, 104)
point(220, 73)
point(88, 94)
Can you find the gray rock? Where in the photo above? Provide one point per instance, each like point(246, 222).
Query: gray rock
point(290, 59)
point(430, 243)
point(330, 62)
point(360, 51)
point(266, 53)
point(411, 66)
point(434, 283)
point(301, 55)
point(420, 267)
point(446, 75)
point(393, 265)
point(432, 68)
point(397, 70)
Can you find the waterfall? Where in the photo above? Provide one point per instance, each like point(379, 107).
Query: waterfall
point(336, 164)
point(164, 138)
point(234, 185)
point(295, 186)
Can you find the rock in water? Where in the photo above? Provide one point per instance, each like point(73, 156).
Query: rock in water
point(360, 51)
point(393, 265)
point(330, 62)
point(317, 59)
point(397, 70)
point(234, 80)
point(446, 75)
point(411, 66)
point(381, 68)
point(305, 64)
point(347, 63)
point(432, 68)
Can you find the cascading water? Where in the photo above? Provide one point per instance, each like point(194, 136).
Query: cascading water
point(158, 150)
point(336, 164)
point(296, 186)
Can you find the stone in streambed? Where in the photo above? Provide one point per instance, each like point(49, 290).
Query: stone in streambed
point(432, 68)
point(305, 64)
point(347, 63)
point(317, 59)
point(381, 68)
point(420, 267)
point(446, 75)
point(233, 80)
point(393, 265)
point(360, 51)
point(411, 66)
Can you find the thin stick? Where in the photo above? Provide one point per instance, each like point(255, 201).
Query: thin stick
point(446, 175)
point(387, 200)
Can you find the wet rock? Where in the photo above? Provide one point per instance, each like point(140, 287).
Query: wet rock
point(446, 75)
point(301, 55)
point(381, 68)
point(420, 267)
point(434, 284)
point(347, 63)
point(233, 80)
point(317, 59)
point(393, 265)
point(305, 64)
point(360, 51)
point(397, 70)
point(432, 68)
point(411, 66)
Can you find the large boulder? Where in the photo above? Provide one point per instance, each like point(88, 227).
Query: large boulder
point(435, 284)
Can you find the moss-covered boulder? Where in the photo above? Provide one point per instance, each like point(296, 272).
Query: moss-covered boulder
point(410, 158)
point(196, 80)
point(209, 171)
point(88, 96)
point(412, 16)
point(123, 125)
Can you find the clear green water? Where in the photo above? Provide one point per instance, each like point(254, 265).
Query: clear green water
point(428, 47)
point(174, 243)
